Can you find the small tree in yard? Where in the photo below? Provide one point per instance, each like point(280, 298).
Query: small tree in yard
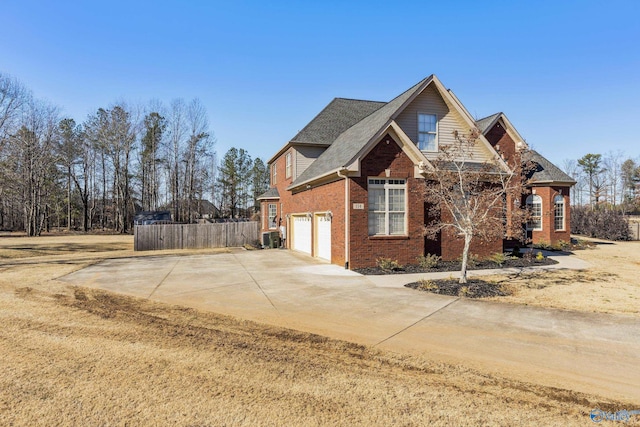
point(470, 198)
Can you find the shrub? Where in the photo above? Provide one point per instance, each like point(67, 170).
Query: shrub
point(427, 285)
point(499, 258)
point(543, 245)
point(560, 245)
point(464, 292)
point(599, 223)
point(388, 264)
point(539, 256)
point(428, 261)
point(528, 256)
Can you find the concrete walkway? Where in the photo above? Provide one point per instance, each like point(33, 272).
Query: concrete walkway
point(587, 352)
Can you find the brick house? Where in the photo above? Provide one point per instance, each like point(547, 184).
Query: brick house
point(348, 187)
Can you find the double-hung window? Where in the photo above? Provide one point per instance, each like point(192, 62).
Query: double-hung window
point(558, 212)
point(427, 132)
point(287, 167)
point(274, 174)
point(273, 212)
point(387, 207)
point(534, 203)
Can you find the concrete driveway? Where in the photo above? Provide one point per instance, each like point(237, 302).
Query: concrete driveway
point(593, 353)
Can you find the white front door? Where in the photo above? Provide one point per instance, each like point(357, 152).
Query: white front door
point(301, 234)
point(323, 237)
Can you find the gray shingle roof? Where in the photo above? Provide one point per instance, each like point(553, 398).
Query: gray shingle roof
point(335, 118)
point(468, 166)
point(271, 193)
point(544, 171)
point(483, 124)
point(352, 140)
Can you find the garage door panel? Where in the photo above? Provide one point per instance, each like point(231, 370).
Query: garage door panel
point(323, 237)
point(302, 234)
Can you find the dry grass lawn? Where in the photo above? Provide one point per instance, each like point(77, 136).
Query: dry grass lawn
point(610, 285)
point(77, 356)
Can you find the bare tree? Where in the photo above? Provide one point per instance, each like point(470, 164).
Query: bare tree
point(32, 163)
point(476, 200)
point(82, 175)
point(13, 97)
point(613, 171)
point(68, 151)
point(571, 168)
point(199, 145)
point(113, 133)
point(177, 130)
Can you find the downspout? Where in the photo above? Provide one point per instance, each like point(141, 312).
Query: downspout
point(346, 218)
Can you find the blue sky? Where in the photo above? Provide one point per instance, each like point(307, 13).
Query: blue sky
point(566, 73)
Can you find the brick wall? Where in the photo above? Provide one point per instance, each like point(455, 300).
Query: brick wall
point(548, 234)
point(318, 199)
point(366, 249)
point(389, 161)
point(454, 244)
point(500, 139)
point(503, 143)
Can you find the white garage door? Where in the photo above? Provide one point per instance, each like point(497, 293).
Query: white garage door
point(323, 237)
point(302, 234)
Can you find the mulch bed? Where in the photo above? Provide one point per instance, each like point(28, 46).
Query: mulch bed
point(474, 288)
point(455, 266)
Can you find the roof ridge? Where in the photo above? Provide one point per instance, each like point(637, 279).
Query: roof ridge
point(355, 137)
point(359, 100)
point(490, 116)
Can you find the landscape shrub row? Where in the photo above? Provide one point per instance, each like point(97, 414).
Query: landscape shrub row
point(599, 223)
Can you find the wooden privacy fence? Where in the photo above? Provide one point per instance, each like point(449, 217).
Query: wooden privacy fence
point(634, 226)
point(194, 236)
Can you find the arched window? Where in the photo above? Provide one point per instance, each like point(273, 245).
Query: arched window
point(534, 204)
point(558, 212)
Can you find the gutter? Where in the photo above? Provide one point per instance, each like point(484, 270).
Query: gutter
point(346, 217)
point(308, 181)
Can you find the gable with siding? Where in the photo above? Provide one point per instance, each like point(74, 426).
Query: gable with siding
point(303, 157)
point(449, 120)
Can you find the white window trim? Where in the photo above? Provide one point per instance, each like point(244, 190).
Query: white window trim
point(529, 204)
point(272, 224)
point(386, 188)
point(564, 214)
point(437, 130)
point(287, 167)
point(274, 174)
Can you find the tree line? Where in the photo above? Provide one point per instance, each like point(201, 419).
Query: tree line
point(55, 172)
point(611, 181)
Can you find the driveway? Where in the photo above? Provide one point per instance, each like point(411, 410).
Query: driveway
point(593, 353)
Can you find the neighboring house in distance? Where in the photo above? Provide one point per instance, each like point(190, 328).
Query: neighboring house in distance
point(348, 187)
point(152, 217)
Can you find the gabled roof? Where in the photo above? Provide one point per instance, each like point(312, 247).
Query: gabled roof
point(335, 118)
point(271, 193)
point(545, 172)
point(487, 123)
point(338, 116)
point(353, 139)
